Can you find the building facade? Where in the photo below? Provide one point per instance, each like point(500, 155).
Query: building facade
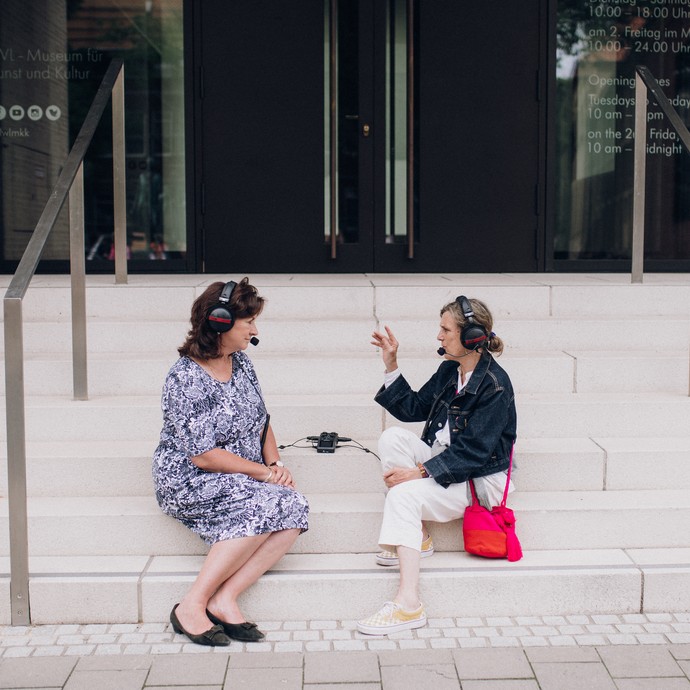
point(351, 135)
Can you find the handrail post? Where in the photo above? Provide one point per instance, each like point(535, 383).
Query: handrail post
point(119, 180)
point(16, 461)
point(639, 180)
point(78, 285)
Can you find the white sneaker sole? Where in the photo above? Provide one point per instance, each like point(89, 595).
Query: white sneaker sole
point(389, 630)
point(381, 560)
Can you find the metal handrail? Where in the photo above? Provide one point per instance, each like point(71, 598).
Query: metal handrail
point(69, 183)
point(645, 82)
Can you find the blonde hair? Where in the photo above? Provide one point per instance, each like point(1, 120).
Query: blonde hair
point(482, 317)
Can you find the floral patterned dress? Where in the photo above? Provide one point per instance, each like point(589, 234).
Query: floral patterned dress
point(199, 414)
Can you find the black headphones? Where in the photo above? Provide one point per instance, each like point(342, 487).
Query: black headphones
point(220, 318)
point(473, 334)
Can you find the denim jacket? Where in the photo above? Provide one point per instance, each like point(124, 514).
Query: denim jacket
point(481, 416)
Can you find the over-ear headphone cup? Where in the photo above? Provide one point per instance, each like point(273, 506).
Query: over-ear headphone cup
point(220, 319)
point(473, 336)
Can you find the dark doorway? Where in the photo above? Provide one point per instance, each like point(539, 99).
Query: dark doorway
point(433, 169)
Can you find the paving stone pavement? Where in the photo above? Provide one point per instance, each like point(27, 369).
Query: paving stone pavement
point(616, 651)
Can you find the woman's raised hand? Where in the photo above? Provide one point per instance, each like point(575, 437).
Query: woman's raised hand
point(388, 346)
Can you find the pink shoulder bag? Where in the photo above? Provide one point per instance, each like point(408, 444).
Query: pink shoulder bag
point(491, 533)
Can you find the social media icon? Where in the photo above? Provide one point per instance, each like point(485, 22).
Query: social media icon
point(35, 112)
point(3, 113)
point(53, 112)
point(16, 112)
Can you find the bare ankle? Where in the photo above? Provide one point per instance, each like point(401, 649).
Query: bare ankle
point(408, 604)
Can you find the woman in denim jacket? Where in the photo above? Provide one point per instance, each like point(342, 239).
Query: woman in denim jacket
point(469, 409)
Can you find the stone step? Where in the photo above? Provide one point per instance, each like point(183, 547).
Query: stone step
point(123, 468)
point(540, 415)
point(334, 336)
point(562, 333)
point(387, 296)
point(350, 523)
point(603, 453)
point(346, 586)
point(530, 372)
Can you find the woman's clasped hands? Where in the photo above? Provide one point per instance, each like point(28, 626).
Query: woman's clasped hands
point(280, 475)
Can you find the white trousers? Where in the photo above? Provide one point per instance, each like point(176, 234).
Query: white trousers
point(409, 503)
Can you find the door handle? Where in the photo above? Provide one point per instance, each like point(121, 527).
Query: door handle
point(366, 129)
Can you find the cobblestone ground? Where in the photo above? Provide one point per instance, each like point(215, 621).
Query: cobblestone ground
point(324, 636)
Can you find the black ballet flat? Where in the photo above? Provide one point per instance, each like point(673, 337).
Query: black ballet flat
point(242, 632)
point(213, 637)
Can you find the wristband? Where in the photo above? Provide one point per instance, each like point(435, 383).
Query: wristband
point(270, 475)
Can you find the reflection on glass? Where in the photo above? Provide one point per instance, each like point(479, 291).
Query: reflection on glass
point(599, 44)
point(64, 57)
point(396, 121)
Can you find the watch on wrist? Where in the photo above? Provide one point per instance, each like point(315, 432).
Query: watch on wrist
point(277, 463)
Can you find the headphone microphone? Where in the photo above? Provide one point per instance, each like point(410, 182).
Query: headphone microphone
point(442, 351)
point(220, 316)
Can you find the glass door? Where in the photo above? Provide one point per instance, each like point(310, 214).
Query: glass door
point(368, 135)
point(370, 178)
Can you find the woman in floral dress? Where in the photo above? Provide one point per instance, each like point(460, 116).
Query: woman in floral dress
point(217, 468)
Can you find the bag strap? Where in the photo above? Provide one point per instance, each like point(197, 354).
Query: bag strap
point(510, 469)
point(475, 500)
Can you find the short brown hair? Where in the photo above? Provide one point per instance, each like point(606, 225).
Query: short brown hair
point(202, 341)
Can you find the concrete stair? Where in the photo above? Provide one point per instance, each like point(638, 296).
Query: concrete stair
point(600, 369)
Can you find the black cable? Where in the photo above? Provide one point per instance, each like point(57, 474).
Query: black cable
point(314, 440)
point(294, 444)
point(361, 447)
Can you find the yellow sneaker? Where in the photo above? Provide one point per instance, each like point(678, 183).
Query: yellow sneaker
point(392, 618)
point(391, 558)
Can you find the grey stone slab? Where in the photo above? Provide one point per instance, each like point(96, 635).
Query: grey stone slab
point(658, 683)
point(283, 678)
point(415, 657)
point(341, 667)
point(115, 662)
point(439, 677)
point(485, 664)
point(503, 684)
point(183, 687)
point(680, 651)
point(39, 672)
point(573, 676)
point(640, 662)
point(282, 660)
point(343, 686)
point(188, 669)
point(107, 680)
point(562, 654)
